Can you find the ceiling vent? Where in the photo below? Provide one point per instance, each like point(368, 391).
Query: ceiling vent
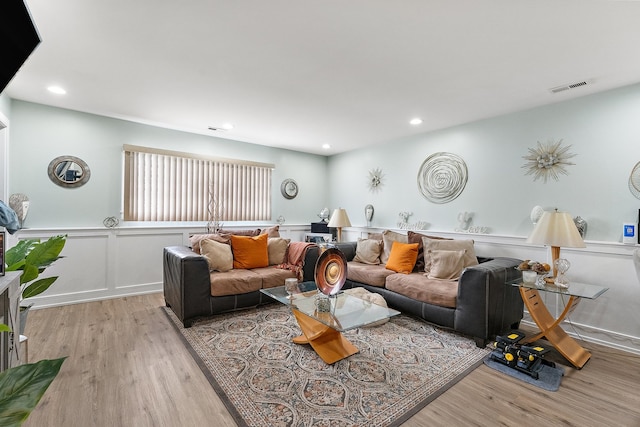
point(567, 87)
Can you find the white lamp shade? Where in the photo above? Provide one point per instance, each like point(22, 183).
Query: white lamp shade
point(556, 229)
point(339, 219)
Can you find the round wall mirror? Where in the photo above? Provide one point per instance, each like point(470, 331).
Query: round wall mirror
point(68, 171)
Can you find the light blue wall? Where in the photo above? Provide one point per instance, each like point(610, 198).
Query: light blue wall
point(40, 133)
point(5, 111)
point(5, 105)
point(603, 129)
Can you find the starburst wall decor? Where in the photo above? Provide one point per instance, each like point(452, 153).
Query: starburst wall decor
point(548, 160)
point(375, 179)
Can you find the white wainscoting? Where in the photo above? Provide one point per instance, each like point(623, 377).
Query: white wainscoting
point(108, 263)
point(101, 263)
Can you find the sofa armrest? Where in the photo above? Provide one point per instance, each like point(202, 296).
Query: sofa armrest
point(486, 305)
point(186, 282)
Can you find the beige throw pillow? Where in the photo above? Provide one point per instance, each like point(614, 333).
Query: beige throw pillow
point(277, 248)
point(272, 231)
point(368, 251)
point(388, 237)
point(195, 240)
point(417, 238)
point(218, 255)
point(446, 264)
point(448, 245)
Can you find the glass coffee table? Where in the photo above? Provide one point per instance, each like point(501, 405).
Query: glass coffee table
point(323, 329)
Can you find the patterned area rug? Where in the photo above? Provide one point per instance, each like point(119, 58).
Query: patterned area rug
point(266, 380)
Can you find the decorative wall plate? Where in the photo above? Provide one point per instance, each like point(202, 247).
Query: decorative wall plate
point(442, 177)
point(634, 181)
point(289, 188)
point(331, 271)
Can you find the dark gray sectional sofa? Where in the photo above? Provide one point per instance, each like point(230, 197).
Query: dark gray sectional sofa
point(485, 306)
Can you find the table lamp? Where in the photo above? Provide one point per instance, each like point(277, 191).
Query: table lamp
point(338, 220)
point(556, 229)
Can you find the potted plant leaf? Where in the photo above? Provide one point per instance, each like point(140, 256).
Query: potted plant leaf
point(22, 387)
point(32, 257)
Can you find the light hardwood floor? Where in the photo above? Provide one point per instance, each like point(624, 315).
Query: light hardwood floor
point(126, 366)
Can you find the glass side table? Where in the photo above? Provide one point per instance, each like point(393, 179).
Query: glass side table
point(549, 326)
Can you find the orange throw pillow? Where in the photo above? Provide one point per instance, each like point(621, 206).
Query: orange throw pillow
point(250, 252)
point(403, 257)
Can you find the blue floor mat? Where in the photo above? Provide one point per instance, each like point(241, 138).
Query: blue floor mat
point(549, 377)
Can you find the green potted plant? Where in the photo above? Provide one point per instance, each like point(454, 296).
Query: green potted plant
point(32, 257)
point(22, 387)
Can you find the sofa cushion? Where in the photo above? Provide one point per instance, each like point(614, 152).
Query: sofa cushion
point(234, 282)
point(402, 257)
point(414, 237)
point(446, 264)
point(368, 274)
point(388, 237)
point(272, 277)
point(448, 245)
point(272, 231)
point(218, 255)
point(368, 251)
point(277, 249)
point(250, 252)
point(195, 240)
point(250, 233)
point(374, 236)
point(432, 291)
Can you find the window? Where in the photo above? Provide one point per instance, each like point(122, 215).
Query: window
point(161, 185)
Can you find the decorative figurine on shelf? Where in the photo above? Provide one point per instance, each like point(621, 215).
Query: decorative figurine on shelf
point(581, 224)
point(20, 204)
point(536, 214)
point(403, 219)
point(368, 214)
point(464, 220)
point(324, 214)
point(111, 222)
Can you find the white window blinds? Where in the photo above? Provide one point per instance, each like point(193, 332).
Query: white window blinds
point(162, 185)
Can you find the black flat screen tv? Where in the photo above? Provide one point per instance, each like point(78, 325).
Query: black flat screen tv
point(18, 38)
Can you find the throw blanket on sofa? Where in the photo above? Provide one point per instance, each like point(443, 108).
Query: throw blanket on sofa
point(294, 258)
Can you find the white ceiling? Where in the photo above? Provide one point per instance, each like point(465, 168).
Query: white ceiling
point(300, 73)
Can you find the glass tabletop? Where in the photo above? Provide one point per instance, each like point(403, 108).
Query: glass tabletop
point(575, 289)
point(346, 312)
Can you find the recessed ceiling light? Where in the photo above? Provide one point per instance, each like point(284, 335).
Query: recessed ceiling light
point(415, 121)
point(57, 90)
point(326, 146)
point(224, 127)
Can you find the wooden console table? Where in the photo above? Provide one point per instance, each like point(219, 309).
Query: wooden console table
point(549, 326)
